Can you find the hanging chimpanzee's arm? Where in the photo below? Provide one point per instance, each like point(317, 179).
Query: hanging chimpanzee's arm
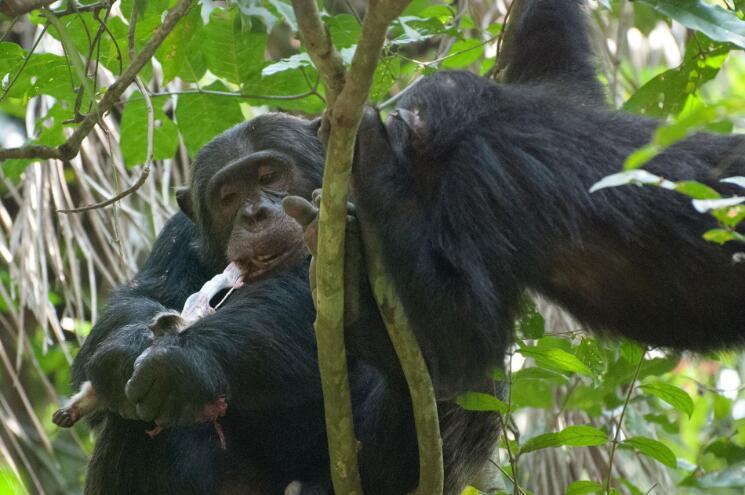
point(258, 350)
point(461, 316)
point(546, 41)
point(121, 333)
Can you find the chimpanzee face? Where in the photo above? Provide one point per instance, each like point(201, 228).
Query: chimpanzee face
point(238, 184)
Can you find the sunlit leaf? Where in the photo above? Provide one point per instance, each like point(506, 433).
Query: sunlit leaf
point(478, 401)
point(652, 448)
point(572, 436)
point(671, 394)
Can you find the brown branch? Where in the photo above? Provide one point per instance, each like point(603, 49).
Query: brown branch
point(13, 8)
point(317, 41)
point(347, 94)
point(148, 160)
point(71, 147)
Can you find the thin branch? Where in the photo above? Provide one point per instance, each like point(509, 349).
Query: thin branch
point(71, 147)
point(24, 63)
point(13, 8)
point(148, 160)
point(347, 94)
point(317, 40)
point(74, 8)
point(614, 442)
point(197, 91)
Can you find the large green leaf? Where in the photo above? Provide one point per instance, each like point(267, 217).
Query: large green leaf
point(201, 117)
point(583, 487)
point(134, 132)
point(571, 436)
point(232, 51)
point(173, 54)
point(671, 394)
point(478, 401)
point(667, 93)
point(286, 83)
point(556, 359)
point(712, 20)
point(652, 448)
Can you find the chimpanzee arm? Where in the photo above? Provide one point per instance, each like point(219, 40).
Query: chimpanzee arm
point(121, 333)
point(461, 316)
point(546, 41)
point(258, 350)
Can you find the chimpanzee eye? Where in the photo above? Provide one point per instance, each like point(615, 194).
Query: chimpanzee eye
point(228, 197)
point(267, 178)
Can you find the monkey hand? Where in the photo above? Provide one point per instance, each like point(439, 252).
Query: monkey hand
point(355, 274)
point(174, 386)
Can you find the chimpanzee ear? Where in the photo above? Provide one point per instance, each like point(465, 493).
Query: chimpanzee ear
point(183, 198)
point(414, 122)
point(315, 124)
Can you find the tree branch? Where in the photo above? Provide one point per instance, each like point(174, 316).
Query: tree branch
point(71, 147)
point(346, 96)
point(14, 8)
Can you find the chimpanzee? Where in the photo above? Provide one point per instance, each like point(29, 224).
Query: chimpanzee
point(478, 191)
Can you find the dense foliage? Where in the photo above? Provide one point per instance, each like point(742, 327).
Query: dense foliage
point(618, 417)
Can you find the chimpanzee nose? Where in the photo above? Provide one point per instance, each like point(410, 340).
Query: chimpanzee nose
point(255, 213)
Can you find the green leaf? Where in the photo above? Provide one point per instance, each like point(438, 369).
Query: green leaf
point(11, 56)
point(556, 359)
point(222, 112)
point(134, 132)
point(722, 236)
point(530, 322)
point(173, 53)
point(631, 351)
point(285, 10)
point(696, 190)
point(286, 83)
point(386, 74)
point(230, 50)
point(345, 30)
point(738, 181)
point(463, 53)
point(294, 62)
point(571, 436)
point(583, 487)
point(671, 394)
point(539, 374)
point(704, 205)
point(589, 352)
point(636, 177)
point(667, 93)
point(477, 401)
point(652, 448)
point(712, 20)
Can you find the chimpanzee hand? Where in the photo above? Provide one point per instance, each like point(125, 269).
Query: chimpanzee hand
point(173, 385)
point(355, 274)
point(109, 368)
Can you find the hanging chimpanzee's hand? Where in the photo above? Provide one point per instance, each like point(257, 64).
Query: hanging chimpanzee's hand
point(173, 385)
point(355, 273)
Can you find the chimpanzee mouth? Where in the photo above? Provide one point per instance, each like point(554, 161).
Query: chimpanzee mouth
point(259, 265)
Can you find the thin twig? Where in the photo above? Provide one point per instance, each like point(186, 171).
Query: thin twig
point(25, 62)
point(148, 159)
point(614, 442)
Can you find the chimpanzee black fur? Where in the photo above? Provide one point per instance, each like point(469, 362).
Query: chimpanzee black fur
point(480, 190)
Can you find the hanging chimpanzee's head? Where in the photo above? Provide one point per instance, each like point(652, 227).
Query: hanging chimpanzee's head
point(238, 182)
